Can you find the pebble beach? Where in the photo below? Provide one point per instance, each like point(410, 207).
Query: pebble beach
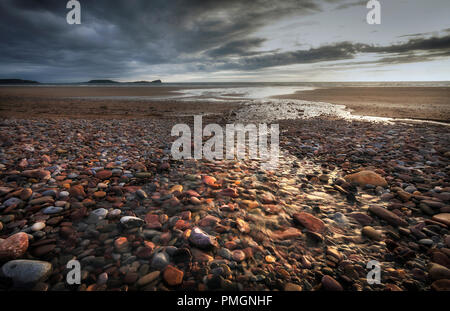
point(107, 193)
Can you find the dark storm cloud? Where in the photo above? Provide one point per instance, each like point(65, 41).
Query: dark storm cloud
point(118, 39)
point(343, 6)
point(413, 50)
point(241, 47)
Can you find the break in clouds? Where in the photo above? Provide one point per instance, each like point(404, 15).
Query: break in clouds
point(194, 40)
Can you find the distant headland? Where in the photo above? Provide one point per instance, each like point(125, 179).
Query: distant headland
point(95, 81)
point(17, 81)
point(112, 81)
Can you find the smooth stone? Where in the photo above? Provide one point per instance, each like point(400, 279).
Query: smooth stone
point(372, 233)
point(441, 285)
point(201, 239)
point(427, 242)
point(148, 278)
point(141, 194)
point(364, 178)
point(14, 246)
point(38, 226)
point(160, 261)
point(102, 278)
point(24, 272)
point(442, 218)
point(52, 210)
point(438, 272)
point(310, 222)
point(388, 216)
point(238, 255)
point(12, 201)
point(331, 284)
point(100, 213)
point(42, 200)
point(63, 194)
point(131, 222)
point(291, 287)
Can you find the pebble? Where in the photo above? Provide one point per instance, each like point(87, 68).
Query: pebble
point(201, 239)
point(310, 222)
point(148, 278)
point(14, 246)
point(365, 178)
point(387, 215)
point(38, 226)
point(27, 272)
point(138, 219)
point(372, 233)
point(330, 284)
point(160, 261)
point(52, 210)
point(131, 222)
point(173, 276)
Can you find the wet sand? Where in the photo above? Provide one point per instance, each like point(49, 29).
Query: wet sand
point(51, 102)
point(425, 103)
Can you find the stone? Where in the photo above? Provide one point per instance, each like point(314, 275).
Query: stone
point(363, 219)
point(310, 222)
point(105, 174)
point(26, 194)
point(148, 278)
point(372, 233)
point(27, 272)
point(438, 272)
point(238, 255)
point(52, 210)
point(330, 284)
point(364, 178)
point(43, 250)
point(173, 276)
point(131, 222)
point(102, 278)
point(14, 246)
point(143, 175)
point(101, 213)
point(388, 216)
point(442, 218)
point(290, 233)
point(99, 194)
point(38, 226)
point(77, 191)
point(152, 221)
point(5, 190)
point(441, 285)
point(141, 194)
point(12, 201)
point(160, 261)
point(291, 287)
point(121, 245)
point(270, 259)
point(210, 181)
point(201, 239)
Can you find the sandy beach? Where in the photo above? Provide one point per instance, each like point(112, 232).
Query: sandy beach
point(424, 103)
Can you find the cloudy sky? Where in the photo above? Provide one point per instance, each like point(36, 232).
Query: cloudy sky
point(225, 40)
